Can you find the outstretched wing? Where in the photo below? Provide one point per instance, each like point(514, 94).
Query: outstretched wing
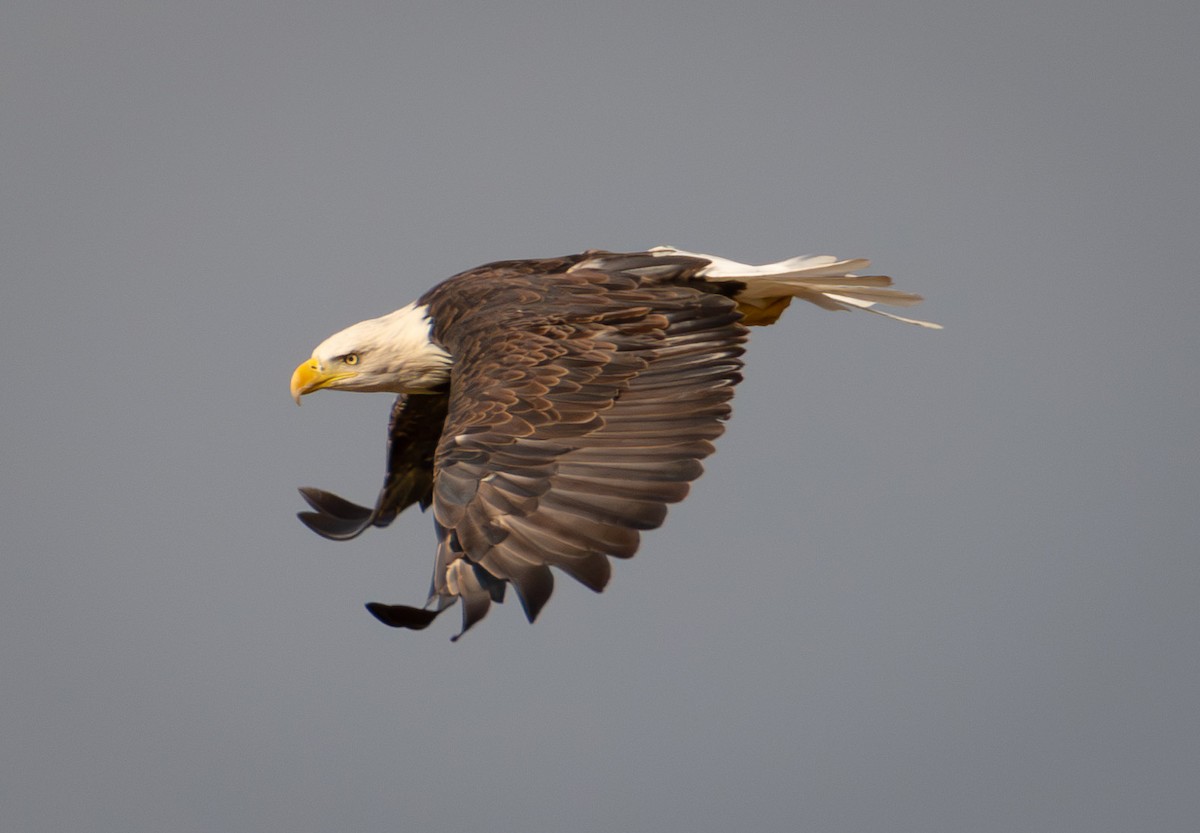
point(414, 429)
point(580, 406)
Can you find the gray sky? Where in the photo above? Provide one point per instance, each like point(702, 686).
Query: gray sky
point(933, 581)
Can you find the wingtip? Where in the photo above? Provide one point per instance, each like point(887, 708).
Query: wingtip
point(402, 616)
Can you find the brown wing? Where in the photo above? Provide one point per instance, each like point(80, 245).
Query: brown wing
point(413, 432)
point(581, 404)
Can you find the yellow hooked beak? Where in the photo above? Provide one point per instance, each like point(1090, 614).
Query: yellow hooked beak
point(309, 376)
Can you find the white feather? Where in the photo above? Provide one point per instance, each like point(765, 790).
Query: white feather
point(822, 280)
point(397, 353)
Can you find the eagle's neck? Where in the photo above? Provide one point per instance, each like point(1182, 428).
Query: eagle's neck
point(418, 364)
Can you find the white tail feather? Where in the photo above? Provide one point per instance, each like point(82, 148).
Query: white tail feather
point(822, 280)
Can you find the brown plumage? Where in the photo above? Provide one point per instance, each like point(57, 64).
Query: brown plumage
point(576, 399)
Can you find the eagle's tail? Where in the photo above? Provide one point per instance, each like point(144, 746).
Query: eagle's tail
point(819, 279)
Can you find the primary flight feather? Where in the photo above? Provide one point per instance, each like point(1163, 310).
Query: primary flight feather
point(549, 410)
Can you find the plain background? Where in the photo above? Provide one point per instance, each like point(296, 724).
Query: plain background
point(930, 582)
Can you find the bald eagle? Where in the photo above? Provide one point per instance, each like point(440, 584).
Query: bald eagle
point(549, 410)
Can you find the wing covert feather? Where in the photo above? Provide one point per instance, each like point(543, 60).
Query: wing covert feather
point(572, 424)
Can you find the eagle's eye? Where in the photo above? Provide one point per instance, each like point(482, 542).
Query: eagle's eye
point(350, 358)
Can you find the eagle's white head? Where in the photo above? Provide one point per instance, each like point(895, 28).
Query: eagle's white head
point(393, 353)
